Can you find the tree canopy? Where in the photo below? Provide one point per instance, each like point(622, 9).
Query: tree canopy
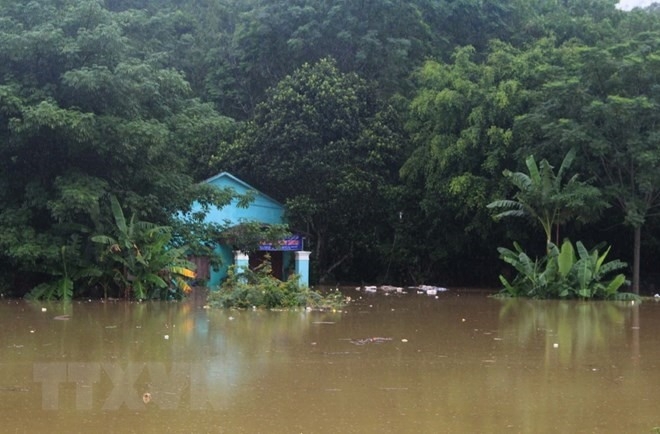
point(383, 126)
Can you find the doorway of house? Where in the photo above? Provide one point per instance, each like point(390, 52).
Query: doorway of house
point(276, 262)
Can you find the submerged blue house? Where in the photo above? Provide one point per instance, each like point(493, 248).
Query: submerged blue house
point(287, 257)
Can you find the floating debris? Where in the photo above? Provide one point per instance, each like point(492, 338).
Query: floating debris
point(390, 288)
point(428, 289)
point(14, 389)
point(375, 340)
point(339, 353)
point(384, 288)
point(146, 397)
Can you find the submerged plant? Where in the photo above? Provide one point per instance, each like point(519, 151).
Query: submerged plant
point(563, 273)
point(246, 288)
point(72, 268)
point(534, 278)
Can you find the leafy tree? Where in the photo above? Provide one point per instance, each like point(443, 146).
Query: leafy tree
point(461, 122)
point(476, 23)
point(86, 111)
point(201, 132)
point(613, 120)
point(248, 236)
point(381, 40)
point(588, 21)
point(319, 144)
point(114, 97)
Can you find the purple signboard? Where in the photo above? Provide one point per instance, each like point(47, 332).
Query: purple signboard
point(292, 242)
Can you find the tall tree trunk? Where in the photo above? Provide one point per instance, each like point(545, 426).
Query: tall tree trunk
point(636, 259)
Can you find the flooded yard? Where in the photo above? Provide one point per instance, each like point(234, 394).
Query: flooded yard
point(458, 363)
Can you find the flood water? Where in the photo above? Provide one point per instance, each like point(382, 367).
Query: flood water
point(459, 363)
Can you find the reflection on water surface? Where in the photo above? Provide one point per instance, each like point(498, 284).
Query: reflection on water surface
point(458, 363)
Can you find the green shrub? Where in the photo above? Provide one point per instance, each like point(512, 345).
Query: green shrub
point(246, 288)
point(563, 273)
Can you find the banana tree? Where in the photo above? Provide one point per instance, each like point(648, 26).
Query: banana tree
point(563, 273)
point(140, 257)
point(68, 273)
point(65, 277)
point(584, 275)
point(547, 198)
point(536, 278)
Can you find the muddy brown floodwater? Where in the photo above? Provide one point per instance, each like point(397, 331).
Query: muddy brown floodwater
point(458, 363)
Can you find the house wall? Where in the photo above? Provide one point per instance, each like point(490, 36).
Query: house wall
point(262, 209)
point(216, 275)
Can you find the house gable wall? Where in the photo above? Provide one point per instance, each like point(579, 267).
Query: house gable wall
point(263, 209)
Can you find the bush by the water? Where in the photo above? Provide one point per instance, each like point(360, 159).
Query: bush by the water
point(246, 288)
point(569, 272)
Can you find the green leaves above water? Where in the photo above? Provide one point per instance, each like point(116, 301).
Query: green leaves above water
point(566, 272)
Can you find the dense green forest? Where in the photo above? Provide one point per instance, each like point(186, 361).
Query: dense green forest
point(384, 126)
